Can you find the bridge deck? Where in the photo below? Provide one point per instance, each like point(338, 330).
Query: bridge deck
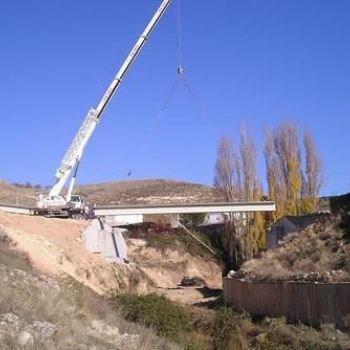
point(227, 207)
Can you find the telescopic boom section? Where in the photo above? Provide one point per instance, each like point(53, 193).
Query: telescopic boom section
point(75, 150)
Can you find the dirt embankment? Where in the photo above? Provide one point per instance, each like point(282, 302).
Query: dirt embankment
point(167, 267)
point(54, 246)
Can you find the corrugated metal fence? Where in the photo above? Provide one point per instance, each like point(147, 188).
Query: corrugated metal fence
point(311, 303)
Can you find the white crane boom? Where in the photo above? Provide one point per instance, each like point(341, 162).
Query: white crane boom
point(76, 148)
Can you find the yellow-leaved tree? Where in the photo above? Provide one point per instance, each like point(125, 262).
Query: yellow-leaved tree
point(294, 192)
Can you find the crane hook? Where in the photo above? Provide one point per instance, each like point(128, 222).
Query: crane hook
point(180, 71)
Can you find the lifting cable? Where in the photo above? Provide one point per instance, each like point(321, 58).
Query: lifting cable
point(160, 113)
point(180, 62)
point(179, 78)
point(195, 98)
point(179, 47)
point(156, 121)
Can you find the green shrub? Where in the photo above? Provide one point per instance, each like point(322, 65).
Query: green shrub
point(277, 334)
point(193, 219)
point(166, 317)
point(229, 330)
point(181, 240)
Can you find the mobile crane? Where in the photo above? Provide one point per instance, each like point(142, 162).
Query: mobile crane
point(54, 204)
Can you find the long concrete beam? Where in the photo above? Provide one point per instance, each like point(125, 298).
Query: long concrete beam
point(15, 209)
point(228, 207)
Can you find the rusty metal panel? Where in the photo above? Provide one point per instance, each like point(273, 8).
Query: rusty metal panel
point(311, 303)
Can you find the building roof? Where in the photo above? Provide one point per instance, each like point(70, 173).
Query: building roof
point(303, 221)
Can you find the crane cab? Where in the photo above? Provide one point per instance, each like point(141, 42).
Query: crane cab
point(76, 201)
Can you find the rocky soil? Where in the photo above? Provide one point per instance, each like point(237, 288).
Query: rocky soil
point(41, 312)
point(319, 253)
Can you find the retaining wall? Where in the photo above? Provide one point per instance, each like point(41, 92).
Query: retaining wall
point(311, 303)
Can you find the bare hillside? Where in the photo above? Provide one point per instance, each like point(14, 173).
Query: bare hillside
point(122, 192)
point(147, 191)
point(10, 194)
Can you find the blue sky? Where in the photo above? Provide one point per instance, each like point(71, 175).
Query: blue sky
point(255, 62)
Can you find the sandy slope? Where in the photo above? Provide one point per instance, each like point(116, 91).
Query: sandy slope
point(54, 247)
point(167, 268)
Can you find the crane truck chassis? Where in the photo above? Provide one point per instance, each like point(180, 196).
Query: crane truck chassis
point(75, 209)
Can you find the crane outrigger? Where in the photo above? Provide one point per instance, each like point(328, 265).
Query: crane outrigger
point(54, 203)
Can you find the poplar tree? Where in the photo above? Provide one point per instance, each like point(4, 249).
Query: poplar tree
point(237, 179)
point(295, 191)
point(313, 180)
point(289, 159)
point(227, 180)
point(255, 235)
